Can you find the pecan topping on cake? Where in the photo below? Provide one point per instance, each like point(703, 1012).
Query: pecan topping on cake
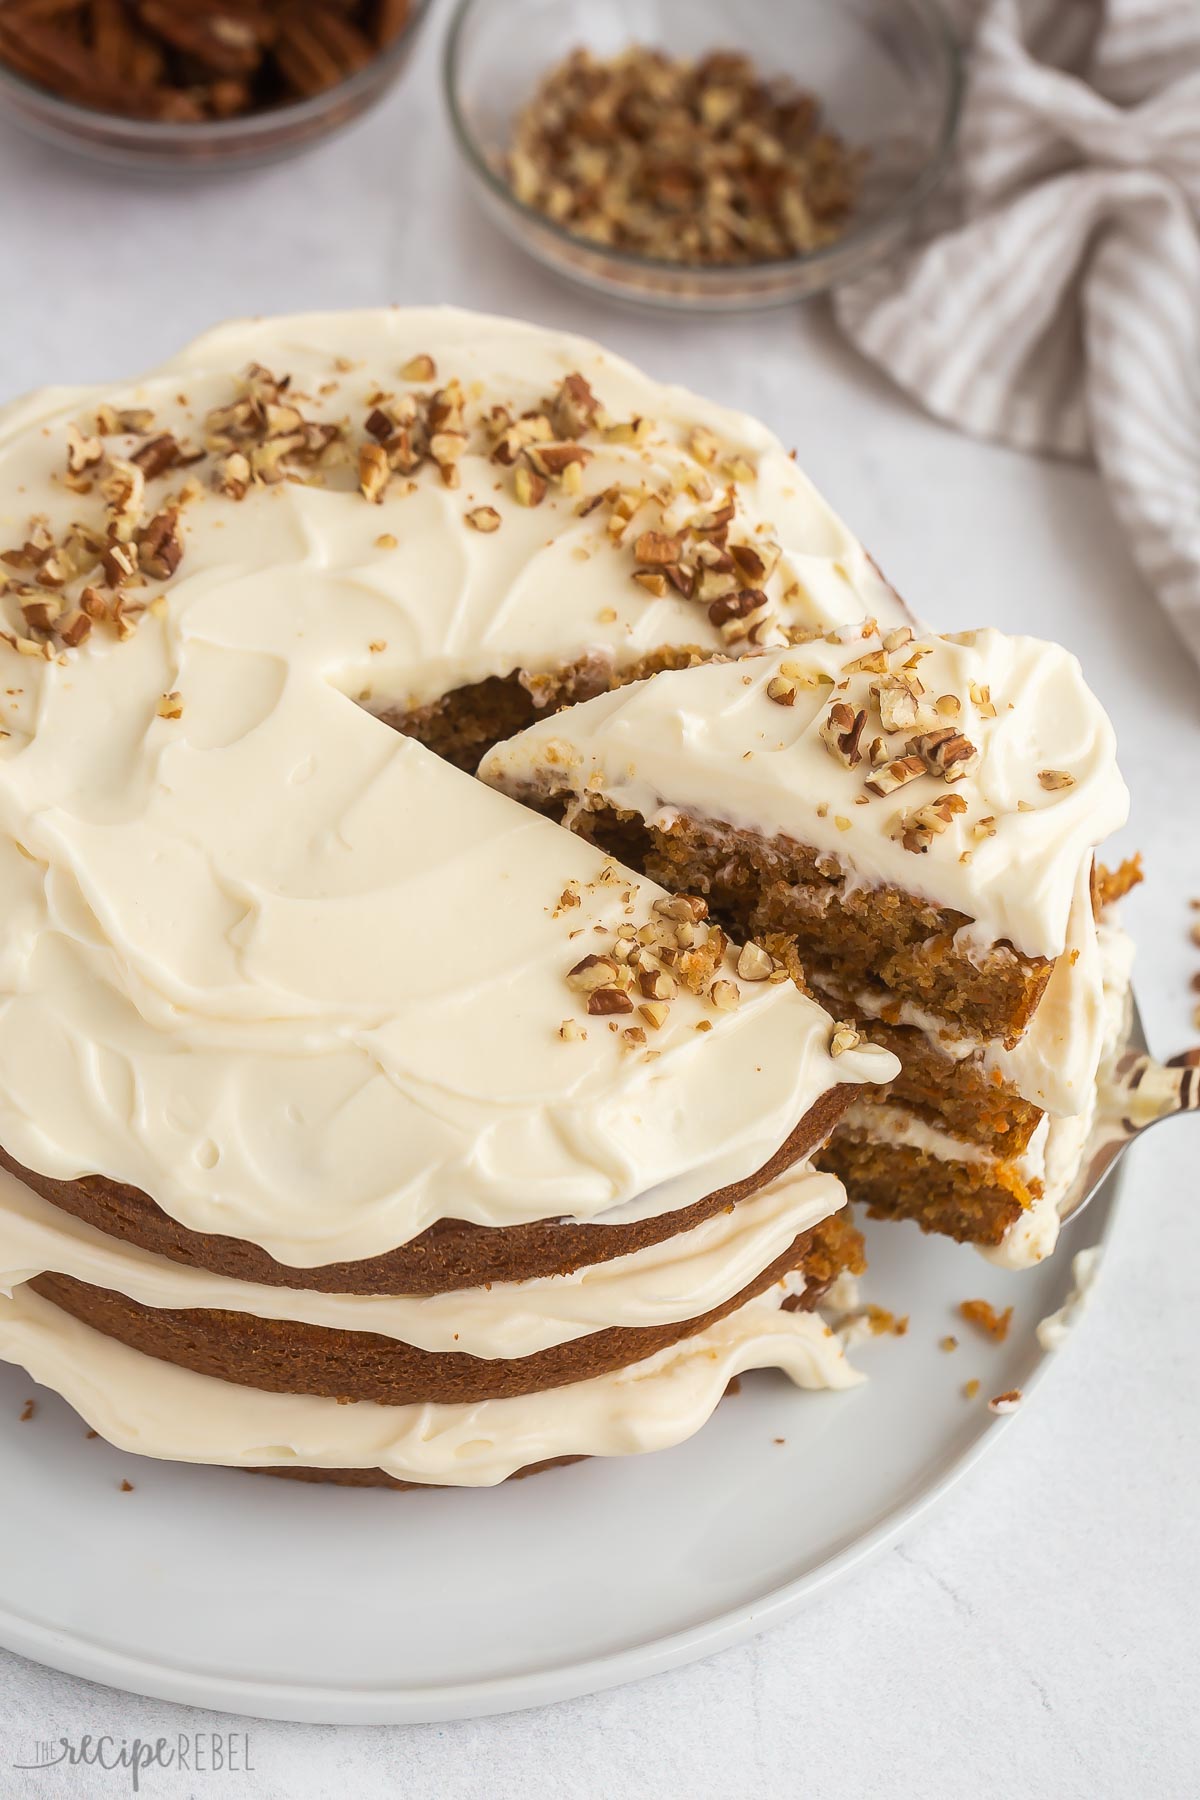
point(841, 730)
point(895, 774)
point(945, 752)
point(917, 830)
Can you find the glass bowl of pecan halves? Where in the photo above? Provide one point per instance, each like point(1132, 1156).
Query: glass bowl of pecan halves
point(700, 154)
point(195, 84)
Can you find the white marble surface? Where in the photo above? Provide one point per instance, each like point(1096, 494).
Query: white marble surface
point(1039, 1633)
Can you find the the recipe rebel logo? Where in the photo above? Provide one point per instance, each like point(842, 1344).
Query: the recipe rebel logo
point(194, 1752)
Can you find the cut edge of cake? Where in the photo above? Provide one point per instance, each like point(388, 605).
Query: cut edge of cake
point(908, 825)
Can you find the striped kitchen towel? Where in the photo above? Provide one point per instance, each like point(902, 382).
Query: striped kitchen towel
point(1052, 299)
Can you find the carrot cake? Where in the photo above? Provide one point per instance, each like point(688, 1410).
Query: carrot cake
point(356, 1120)
point(906, 823)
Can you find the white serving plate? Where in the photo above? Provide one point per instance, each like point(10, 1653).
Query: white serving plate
point(288, 1601)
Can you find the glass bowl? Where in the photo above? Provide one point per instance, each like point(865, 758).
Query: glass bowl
point(887, 73)
point(213, 145)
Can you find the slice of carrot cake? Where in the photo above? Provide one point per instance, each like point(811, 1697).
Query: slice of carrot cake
point(907, 826)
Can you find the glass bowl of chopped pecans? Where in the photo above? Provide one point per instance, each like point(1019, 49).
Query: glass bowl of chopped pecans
point(699, 155)
point(167, 85)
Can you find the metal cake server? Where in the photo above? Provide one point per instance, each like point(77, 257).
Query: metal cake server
point(1140, 1092)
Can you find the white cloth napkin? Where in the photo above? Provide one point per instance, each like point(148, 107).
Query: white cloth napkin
point(1053, 298)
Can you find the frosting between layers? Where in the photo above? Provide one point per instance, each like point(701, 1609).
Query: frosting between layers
point(896, 1123)
point(286, 971)
point(156, 1409)
point(684, 1277)
point(711, 741)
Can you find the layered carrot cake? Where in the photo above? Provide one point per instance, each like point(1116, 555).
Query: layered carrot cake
point(906, 824)
point(355, 1119)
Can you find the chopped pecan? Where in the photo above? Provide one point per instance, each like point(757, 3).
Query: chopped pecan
point(898, 697)
point(841, 731)
point(373, 471)
point(528, 486)
point(603, 1000)
point(754, 963)
point(159, 545)
point(945, 752)
point(657, 548)
point(896, 774)
point(690, 161)
point(592, 972)
point(419, 368)
point(82, 453)
point(159, 454)
point(553, 460)
point(917, 830)
point(574, 408)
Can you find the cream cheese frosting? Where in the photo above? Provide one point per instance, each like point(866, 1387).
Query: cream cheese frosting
point(684, 1277)
point(156, 1409)
point(282, 968)
point(1034, 1235)
point(1044, 788)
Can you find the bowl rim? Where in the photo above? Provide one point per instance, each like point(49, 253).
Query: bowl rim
point(720, 275)
point(154, 133)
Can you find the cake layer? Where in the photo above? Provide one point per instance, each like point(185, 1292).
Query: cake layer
point(974, 1203)
point(268, 962)
point(1053, 1065)
point(796, 792)
point(912, 1162)
point(678, 1279)
point(961, 1093)
point(802, 904)
point(450, 1256)
point(143, 1404)
point(468, 721)
point(284, 1357)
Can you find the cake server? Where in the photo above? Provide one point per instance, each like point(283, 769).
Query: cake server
point(1138, 1093)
